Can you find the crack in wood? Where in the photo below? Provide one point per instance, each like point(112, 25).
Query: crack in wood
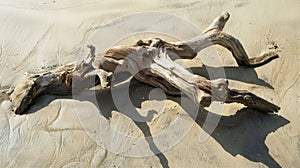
point(150, 61)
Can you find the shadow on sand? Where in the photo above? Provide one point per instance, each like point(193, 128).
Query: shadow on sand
point(243, 133)
point(248, 75)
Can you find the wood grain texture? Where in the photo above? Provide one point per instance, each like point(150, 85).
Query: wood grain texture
point(150, 61)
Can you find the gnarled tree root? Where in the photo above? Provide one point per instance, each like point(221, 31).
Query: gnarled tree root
point(150, 61)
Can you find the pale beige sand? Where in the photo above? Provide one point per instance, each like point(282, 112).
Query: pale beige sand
point(35, 34)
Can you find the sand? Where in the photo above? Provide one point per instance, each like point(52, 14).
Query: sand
point(66, 131)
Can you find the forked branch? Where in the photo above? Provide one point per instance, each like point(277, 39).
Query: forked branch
point(150, 61)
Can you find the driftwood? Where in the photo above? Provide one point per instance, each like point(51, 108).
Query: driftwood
point(150, 61)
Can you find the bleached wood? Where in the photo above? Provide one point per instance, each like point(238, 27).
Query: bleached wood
point(150, 61)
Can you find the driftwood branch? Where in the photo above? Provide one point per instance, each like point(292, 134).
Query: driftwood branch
point(150, 61)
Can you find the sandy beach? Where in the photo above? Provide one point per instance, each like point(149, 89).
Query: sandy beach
point(66, 131)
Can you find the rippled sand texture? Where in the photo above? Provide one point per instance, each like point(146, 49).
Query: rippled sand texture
point(36, 35)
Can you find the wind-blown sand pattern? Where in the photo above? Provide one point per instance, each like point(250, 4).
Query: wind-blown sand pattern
point(37, 35)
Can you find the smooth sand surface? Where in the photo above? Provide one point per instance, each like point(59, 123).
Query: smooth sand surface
point(64, 131)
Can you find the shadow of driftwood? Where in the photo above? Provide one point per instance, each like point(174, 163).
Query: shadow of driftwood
point(241, 73)
point(243, 133)
point(147, 133)
point(246, 138)
point(43, 101)
point(105, 103)
point(103, 100)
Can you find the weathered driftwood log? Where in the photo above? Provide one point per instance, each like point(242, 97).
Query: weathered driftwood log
point(150, 61)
